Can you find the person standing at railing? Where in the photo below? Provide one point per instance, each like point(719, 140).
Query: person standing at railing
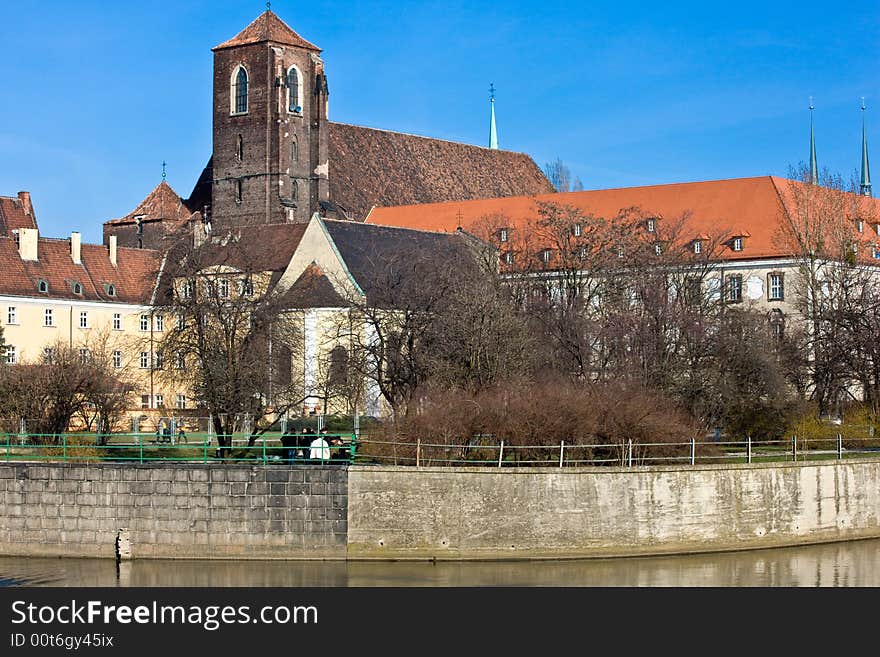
point(319, 449)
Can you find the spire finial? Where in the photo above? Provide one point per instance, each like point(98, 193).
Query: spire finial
point(865, 183)
point(814, 168)
point(493, 130)
point(268, 6)
point(163, 170)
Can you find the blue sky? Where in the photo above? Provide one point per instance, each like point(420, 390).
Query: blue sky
point(98, 94)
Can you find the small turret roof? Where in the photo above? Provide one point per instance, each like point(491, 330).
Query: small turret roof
point(268, 27)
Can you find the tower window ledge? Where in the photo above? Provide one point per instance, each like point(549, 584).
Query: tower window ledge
point(238, 114)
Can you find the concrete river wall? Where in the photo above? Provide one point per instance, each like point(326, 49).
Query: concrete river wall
point(386, 512)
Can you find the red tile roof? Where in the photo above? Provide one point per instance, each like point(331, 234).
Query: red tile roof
point(161, 204)
point(370, 167)
point(268, 27)
point(751, 207)
point(16, 213)
point(134, 277)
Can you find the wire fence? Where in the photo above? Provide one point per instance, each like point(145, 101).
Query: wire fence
point(627, 454)
point(336, 448)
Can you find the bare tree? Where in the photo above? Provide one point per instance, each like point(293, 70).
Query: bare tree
point(231, 339)
point(559, 175)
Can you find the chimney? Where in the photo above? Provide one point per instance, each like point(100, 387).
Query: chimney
point(113, 250)
point(28, 239)
point(76, 248)
point(24, 198)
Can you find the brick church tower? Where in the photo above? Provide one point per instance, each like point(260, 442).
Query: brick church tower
point(270, 159)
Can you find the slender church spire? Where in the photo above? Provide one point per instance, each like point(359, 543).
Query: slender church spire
point(814, 169)
point(493, 131)
point(865, 185)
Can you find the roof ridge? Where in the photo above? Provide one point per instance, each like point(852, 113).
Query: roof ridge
point(414, 230)
point(412, 134)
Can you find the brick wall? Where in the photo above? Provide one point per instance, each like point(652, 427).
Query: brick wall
point(174, 511)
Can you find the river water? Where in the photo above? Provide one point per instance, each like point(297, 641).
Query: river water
point(853, 563)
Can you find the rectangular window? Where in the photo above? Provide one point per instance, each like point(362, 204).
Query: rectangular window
point(860, 225)
point(10, 354)
point(84, 319)
point(11, 315)
point(160, 322)
point(180, 360)
point(223, 288)
point(735, 288)
point(245, 287)
point(187, 290)
point(650, 225)
point(160, 401)
point(545, 256)
point(578, 229)
point(181, 322)
point(737, 243)
point(776, 287)
point(84, 356)
point(117, 322)
point(159, 360)
point(181, 402)
point(502, 235)
point(658, 249)
point(117, 359)
point(508, 258)
point(698, 247)
point(145, 322)
point(48, 318)
point(145, 360)
point(145, 401)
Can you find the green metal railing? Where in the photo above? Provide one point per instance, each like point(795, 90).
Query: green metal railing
point(195, 447)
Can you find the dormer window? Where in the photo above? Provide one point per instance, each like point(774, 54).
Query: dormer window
point(16, 237)
point(698, 246)
point(877, 228)
point(77, 288)
point(502, 235)
point(737, 244)
point(508, 258)
point(860, 225)
point(651, 225)
point(545, 256)
point(43, 286)
point(658, 248)
point(577, 230)
point(110, 289)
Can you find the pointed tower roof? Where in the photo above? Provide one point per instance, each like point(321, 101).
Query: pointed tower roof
point(268, 27)
point(814, 169)
point(865, 184)
point(161, 204)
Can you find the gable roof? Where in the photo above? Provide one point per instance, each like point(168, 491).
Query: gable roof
point(312, 290)
point(752, 207)
point(16, 213)
point(267, 27)
point(371, 167)
point(133, 278)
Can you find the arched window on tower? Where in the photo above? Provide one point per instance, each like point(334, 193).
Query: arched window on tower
point(240, 91)
point(294, 152)
point(294, 90)
point(294, 189)
point(239, 149)
point(238, 191)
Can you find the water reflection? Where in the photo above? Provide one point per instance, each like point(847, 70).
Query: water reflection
point(855, 563)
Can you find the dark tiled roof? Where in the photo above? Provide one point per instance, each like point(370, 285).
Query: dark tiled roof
point(268, 27)
point(313, 290)
point(134, 276)
point(370, 167)
point(14, 215)
point(375, 254)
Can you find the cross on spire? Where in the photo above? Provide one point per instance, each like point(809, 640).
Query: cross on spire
point(814, 168)
point(163, 170)
point(491, 92)
point(865, 182)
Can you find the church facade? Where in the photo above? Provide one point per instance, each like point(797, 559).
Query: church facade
point(277, 157)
